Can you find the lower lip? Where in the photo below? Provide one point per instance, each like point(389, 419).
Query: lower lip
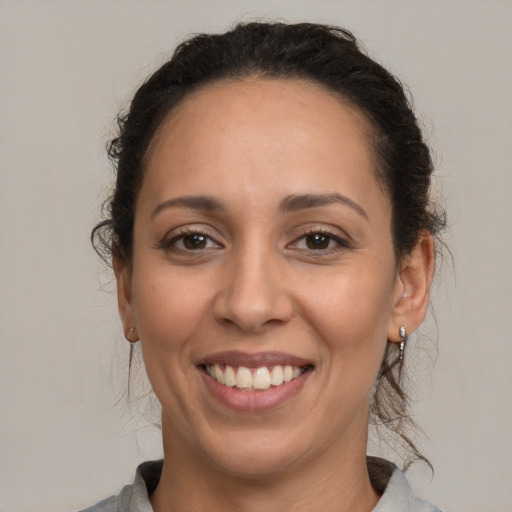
point(254, 400)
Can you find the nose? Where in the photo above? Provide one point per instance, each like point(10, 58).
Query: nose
point(254, 293)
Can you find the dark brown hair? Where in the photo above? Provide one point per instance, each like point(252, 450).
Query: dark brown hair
point(330, 57)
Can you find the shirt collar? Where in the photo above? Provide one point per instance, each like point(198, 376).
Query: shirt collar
point(387, 479)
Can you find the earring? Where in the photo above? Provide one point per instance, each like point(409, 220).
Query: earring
point(131, 331)
point(403, 340)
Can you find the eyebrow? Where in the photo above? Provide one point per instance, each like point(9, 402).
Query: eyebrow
point(206, 203)
point(294, 203)
point(289, 204)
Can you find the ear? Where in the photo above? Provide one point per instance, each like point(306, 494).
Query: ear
point(412, 290)
point(123, 273)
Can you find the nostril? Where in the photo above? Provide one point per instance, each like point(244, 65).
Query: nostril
point(255, 314)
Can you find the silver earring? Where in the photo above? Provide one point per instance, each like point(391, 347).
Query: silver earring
point(403, 340)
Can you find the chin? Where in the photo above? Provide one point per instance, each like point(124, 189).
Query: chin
point(253, 462)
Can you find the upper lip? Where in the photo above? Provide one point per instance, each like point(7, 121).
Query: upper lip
point(257, 360)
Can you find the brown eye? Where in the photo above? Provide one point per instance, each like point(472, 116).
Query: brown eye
point(195, 241)
point(318, 241)
point(190, 241)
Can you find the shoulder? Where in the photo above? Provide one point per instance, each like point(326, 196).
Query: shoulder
point(108, 505)
point(425, 506)
point(122, 502)
point(133, 497)
point(396, 493)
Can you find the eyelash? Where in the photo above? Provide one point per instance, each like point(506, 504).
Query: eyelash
point(331, 237)
point(171, 244)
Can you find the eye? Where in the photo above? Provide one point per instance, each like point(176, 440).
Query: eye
point(190, 241)
point(319, 241)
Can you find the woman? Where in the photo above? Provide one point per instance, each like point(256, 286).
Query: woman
point(273, 242)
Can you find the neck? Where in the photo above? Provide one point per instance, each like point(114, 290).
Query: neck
point(337, 481)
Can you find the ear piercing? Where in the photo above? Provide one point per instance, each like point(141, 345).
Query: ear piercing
point(131, 332)
point(403, 340)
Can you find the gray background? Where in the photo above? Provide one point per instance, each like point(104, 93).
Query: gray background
point(66, 68)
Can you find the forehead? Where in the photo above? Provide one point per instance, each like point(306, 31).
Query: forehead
point(292, 134)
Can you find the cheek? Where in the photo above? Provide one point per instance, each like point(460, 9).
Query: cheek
point(168, 313)
point(351, 313)
point(167, 309)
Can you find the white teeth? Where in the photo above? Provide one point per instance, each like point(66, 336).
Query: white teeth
point(219, 375)
point(259, 379)
point(229, 377)
point(276, 377)
point(287, 373)
point(243, 378)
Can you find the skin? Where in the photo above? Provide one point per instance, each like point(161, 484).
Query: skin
point(256, 283)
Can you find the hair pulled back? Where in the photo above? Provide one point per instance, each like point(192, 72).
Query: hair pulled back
point(330, 57)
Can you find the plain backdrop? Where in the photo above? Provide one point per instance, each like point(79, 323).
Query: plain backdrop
point(67, 437)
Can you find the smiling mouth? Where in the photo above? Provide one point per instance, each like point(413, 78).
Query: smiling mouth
point(254, 379)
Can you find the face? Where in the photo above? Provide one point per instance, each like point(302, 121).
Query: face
point(263, 284)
